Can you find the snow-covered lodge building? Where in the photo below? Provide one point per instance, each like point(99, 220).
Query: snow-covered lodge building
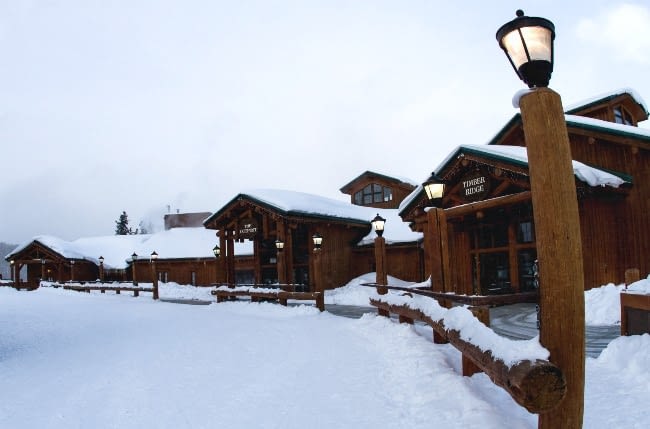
point(486, 222)
point(480, 241)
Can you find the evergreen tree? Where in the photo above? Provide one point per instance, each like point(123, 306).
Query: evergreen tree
point(122, 225)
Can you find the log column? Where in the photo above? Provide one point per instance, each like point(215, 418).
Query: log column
point(559, 248)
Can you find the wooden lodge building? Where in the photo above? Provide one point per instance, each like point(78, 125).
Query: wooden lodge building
point(480, 237)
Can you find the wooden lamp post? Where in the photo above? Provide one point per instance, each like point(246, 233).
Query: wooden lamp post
point(437, 225)
point(42, 269)
point(12, 263)
point(318, 243)
point(216, 250)
point(154, 276)
point(528, 43)
point(378, 224)
point(134, 257)
point(72, 262)
point(281, 263)
point(101, 269)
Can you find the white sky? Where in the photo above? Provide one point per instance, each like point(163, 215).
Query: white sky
point(135, 105)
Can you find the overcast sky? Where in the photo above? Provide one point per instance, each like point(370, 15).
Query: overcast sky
point(137, 105)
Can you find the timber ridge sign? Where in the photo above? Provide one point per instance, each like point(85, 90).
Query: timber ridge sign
point(248, 228)
point(474, 186)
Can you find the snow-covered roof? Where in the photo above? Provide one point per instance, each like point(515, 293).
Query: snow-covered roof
point(176, 243)
point(611, 127)
point(303, 204)
point(518, 154)
point(598, 98)
point(383, 176)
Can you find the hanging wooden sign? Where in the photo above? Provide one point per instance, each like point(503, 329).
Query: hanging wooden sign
point(475, 186)
point(248, 228)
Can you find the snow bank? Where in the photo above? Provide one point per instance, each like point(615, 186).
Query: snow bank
point(603, 304)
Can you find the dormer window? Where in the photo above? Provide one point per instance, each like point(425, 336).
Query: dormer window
point(622, 116)
point(373, 193)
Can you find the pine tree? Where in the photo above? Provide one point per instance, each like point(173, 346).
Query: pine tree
point(122, 225)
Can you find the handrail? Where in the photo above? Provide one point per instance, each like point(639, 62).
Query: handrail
point(474, 300)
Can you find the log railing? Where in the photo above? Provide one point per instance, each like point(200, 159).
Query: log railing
point(280, 292)
point(536, 384)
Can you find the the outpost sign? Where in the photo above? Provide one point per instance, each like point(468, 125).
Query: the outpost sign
point(248, 228)
point(475, 186)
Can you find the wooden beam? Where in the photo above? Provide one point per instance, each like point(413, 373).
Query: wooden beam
point(470, 208)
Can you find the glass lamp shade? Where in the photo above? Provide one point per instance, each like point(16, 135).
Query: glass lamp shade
point(217, 251)
point(134, 256)
point(154, 255)
point(101, 260)
point(378, 224)
point(434, 187)
point(318, 240)
point(279, 244)
point(528, 44)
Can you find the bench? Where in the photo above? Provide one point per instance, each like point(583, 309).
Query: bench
point(282, 294)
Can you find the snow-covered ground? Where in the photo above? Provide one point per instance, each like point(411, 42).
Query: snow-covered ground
point(75, 360)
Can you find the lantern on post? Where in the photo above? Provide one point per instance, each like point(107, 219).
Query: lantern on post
point(216, 250)
point(101, 269)
point(434, 188)
point(154, 276)
point(279, 245)
point(378, 224)
point(72, 262)
point(318, 241)
point(134, 257)
point(528, 44)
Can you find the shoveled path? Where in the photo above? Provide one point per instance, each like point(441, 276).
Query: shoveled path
point(518, 321)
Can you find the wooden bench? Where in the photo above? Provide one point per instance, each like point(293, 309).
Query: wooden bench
point(117, 289)
point(282, 294)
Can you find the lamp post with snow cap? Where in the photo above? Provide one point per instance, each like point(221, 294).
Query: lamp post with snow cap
point(381, 276)
point(72, 262)
point(101, 269)
point(154, 276)
point(528, 44)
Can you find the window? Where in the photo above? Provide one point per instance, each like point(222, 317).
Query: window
point(358, 198)
point(367, 195)
point(388, 194)
point(622, 116)
point(525, 232)
point(373, 193)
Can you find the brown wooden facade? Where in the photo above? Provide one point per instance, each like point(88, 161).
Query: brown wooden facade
point(484, 242)
point(38, 262)
point(246, 218)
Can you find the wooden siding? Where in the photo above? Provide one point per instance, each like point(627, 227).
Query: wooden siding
point(403, 261)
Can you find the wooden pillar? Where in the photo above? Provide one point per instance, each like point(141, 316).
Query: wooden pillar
point(222, 268)
point(439, 250)
point(381, 277)
point(230, 258)
point(154, 279)
point(317, 279)
point(559, 249)
point(380, 261)
point(288, 254)
point(281, 264)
